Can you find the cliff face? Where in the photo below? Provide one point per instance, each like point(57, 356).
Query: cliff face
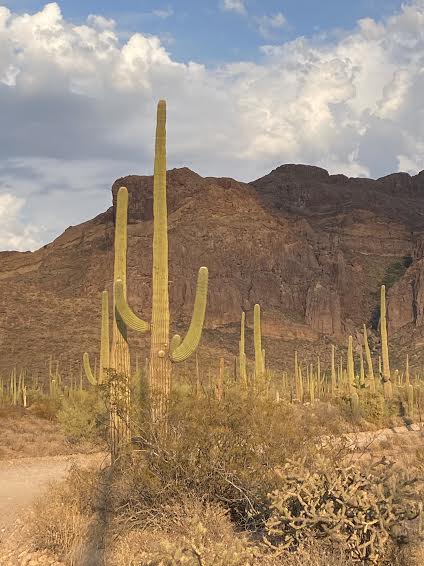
point(310, 247)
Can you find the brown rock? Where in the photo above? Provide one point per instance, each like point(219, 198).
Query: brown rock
point(310, 247)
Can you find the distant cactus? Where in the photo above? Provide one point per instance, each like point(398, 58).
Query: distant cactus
point(242, 353)
point(409, 389)
point(387, 384)
point(354, 399)
point(259, 365)
point(298, 379)
point(333, 371)
point(370, 370)
point(163, 351)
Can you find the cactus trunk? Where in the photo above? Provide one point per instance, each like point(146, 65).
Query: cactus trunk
point(120, 434)
point(387, 384)
point(160, 363)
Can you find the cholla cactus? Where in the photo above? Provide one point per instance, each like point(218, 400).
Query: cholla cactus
point(162, 351)
point(359, 510)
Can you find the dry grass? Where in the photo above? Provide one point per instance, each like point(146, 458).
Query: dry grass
point(201, 497)
point(61, 522)
point(23, 435)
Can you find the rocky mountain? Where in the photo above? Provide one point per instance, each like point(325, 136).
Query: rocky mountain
point(310, 247)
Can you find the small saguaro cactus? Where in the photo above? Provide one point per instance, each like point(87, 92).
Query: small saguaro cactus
point(298, 379)
point(104, 346)
point(354, 399)
point(409, 389)
point(162, 351)
point(257, 336)
point(242, 353)
point(370, 369)
point(387, 384)
point(333, 371)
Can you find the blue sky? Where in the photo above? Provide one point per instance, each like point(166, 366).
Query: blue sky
point(207, 32)
point(249, 84)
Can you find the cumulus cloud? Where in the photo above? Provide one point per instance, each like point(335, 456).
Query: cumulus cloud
point(15, 233)
point(78, 109)
point(234, 6)
point(268, 25)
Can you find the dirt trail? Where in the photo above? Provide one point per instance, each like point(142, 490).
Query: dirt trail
point(24, 479)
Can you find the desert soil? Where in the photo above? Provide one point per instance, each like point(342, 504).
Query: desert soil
point(21, 482)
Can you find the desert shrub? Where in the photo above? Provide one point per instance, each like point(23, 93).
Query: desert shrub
point(60, 522)
point(225, 452)
point(189, 533)
point(373, 407)
point(45, 407)
point(83, 416)
point(359, 510)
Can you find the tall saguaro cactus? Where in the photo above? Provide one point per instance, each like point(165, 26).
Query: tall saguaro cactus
point(387, 384)
point(162, 351)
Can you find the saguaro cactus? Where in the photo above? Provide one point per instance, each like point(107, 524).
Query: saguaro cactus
point(387, 384)
point(333, 371)
point(104, 346)
point(257, 336)
point(354, 399)
point(242, 353)
point(370, 369)
point(409, 389)
point(162, 351)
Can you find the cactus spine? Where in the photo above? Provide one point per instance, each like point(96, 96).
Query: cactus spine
point(162, 351)
point(387, 384)
point(104, 346)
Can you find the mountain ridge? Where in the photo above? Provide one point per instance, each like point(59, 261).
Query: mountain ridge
point(312, 248)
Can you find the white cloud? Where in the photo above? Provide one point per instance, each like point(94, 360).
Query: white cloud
point(78, 110)
point(100, 22)
point(268, 25)
point(163, 13)
point(15, 233)
point(234, 6)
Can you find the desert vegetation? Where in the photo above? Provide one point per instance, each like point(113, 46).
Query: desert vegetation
point(247, 466)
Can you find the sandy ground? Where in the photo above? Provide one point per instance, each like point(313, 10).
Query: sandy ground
point(22, 481)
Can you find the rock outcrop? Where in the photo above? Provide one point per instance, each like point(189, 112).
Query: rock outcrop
point(310, 247)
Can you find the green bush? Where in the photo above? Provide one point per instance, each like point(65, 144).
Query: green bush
point(83, 416)
point(225, 452)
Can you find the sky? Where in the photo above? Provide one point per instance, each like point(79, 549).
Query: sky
point(249, 84)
